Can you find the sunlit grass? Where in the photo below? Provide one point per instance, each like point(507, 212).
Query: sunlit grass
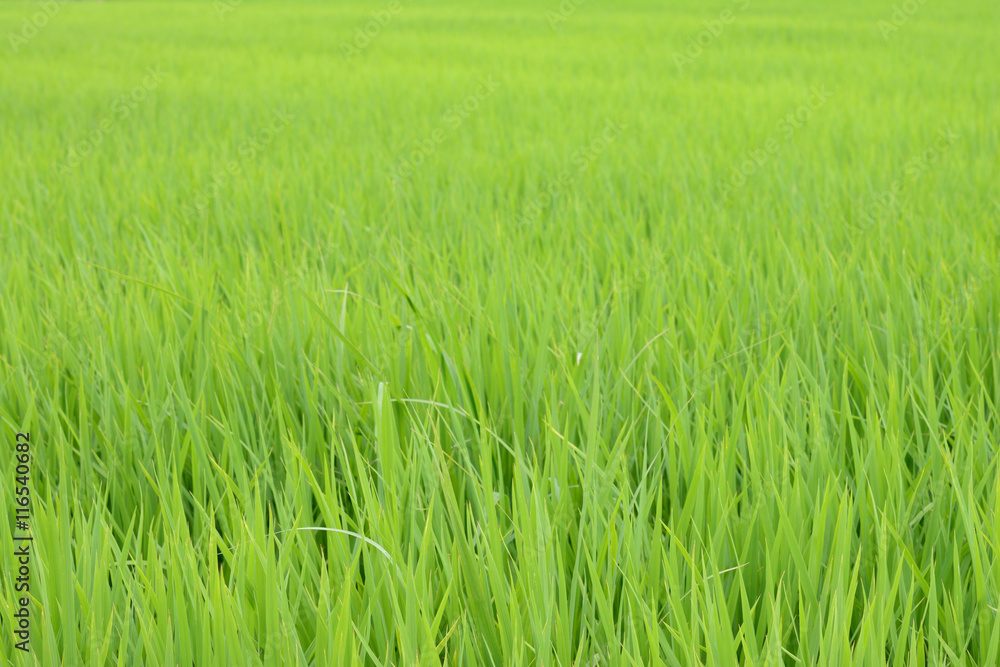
point(561, 401)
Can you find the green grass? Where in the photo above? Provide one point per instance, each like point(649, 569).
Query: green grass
point(651, 420)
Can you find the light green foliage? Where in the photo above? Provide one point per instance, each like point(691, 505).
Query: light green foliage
point(656, 420)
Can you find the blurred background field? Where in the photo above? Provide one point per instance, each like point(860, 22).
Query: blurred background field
point(717, 388)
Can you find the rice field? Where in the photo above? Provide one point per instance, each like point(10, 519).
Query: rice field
point(572, 333)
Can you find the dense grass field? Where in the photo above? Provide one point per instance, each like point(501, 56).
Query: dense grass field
point(508, 333)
